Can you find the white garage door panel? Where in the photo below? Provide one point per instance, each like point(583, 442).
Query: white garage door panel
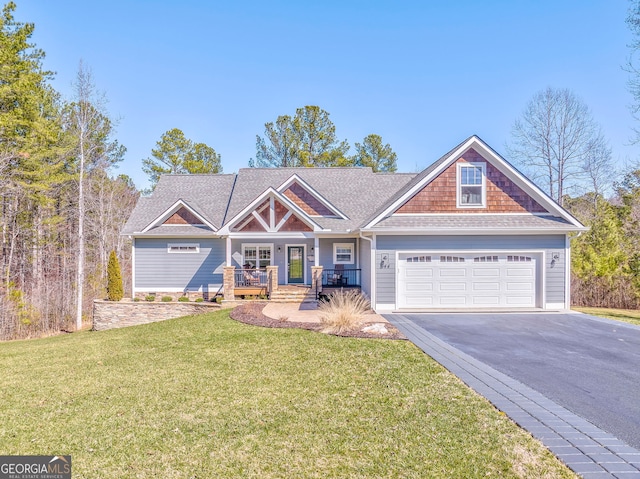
point(486, 273)
point(490, 287)
point(466, 280)
point(492, 300)
point(512, 286)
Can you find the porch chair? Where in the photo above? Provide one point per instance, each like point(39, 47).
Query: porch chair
point(337, 277)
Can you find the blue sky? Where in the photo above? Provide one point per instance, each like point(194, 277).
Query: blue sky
point(424, 75)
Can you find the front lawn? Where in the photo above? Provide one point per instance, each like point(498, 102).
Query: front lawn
point(205, 397)
point(627, 315)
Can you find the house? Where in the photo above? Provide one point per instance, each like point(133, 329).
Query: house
point(470, 231)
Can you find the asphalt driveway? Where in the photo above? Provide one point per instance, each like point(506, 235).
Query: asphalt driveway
point(591, 366)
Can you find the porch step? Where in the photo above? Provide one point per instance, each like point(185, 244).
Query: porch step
point(293, 295)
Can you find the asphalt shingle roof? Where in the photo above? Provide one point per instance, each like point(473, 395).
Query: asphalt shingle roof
point(208, 195)
point(353, 191)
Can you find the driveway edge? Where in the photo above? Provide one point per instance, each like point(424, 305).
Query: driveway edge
point(583, 447)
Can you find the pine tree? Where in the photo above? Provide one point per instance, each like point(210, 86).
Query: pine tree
point(115, 291)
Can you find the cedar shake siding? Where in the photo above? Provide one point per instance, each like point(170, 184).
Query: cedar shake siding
point(503, 195)
point(306, 201)
point(293, 223)
point(183, 217)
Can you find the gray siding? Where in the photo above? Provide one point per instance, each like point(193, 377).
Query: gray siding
point(279, 258)
point(326, 251)
point(389, 245)
point(365, 266)
point(158, 270)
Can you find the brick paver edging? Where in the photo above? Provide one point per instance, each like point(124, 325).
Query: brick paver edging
point(583, 447)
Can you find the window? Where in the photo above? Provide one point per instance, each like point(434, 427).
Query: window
point(451, 259)
point(485, 259)
point(519, 259)
point(471, 185)
point(183, 248)
point(256, 256)
point(343, 253)
point(419, 259)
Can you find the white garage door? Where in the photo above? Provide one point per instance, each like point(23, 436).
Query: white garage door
point(454, 280)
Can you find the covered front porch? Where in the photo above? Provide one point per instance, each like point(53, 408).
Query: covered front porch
point(259, 266)
point(263, 282)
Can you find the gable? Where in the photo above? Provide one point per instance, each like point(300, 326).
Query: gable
point(270, 216)
point(503, 195)
point(306, 201)
point(183, 217)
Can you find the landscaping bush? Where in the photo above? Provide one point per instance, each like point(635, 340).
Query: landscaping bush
point(115, 291)
point(151, 298)
point(343, 311)
point(166, 299)
point(183, 299)
point(199, 300)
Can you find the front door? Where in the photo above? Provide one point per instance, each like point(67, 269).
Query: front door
point(295, 260)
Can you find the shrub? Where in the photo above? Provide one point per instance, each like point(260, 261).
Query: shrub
point(199, 300)
point(136, 299)
point(151, 298)
point(183, 299)
point(166, 299)
point(115, 291)
point(343, 311)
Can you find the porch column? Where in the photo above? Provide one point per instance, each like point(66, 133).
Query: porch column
point(272, 278)
point(228, 280)
point(316, 248)
point(316, 278)
point(228, 252)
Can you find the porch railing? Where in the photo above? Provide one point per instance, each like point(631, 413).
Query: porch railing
point(337, 278)
point(247, 278)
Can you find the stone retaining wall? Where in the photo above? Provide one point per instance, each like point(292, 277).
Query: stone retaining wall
point(111, 314)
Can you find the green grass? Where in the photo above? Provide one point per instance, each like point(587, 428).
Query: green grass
point(204, 397)
point(627, 315)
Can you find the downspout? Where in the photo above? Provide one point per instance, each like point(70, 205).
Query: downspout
point(372, 263)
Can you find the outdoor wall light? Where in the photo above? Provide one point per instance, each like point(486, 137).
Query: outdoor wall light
point(279, 249)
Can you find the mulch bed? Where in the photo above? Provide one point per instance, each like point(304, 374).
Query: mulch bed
point(251, 313)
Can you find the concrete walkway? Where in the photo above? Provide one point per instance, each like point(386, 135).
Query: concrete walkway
point(584, 448)
point(305, 313)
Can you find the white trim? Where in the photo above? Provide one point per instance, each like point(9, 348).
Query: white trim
point(174, 209)
point(284, 220)
point(296, 179)
point(555, 306)
point(470, 231)
point(497, 161)
point(243, 247)
point(304, 262)
point(271, 236)
point(483, 185)
point(269, 193)
point(540, 255)
point(478, 213)
point(374, 248)
point(351, 246)
point(133, 267)
point(567, 272)
point(170, 246)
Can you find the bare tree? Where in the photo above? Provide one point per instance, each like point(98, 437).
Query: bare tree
point(557, 142)
point(88, 128)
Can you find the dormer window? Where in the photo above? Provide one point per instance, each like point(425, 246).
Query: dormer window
point(471, 185)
